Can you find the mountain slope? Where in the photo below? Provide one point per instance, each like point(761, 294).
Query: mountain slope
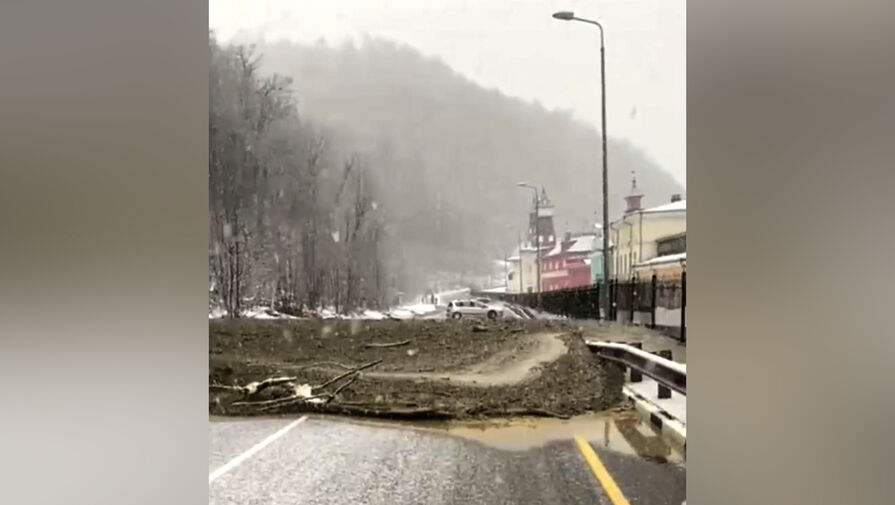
point(452, 152)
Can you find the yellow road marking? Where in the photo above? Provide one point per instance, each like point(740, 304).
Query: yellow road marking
point(609, 485)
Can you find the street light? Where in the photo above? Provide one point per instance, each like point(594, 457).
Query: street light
point(537, 238)
point(570, 16)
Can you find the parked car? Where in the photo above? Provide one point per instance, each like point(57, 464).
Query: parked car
point(458, 309)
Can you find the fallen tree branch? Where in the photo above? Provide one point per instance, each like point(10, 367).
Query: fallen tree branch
point(340, 388)
point(224, 387)
point(254, 387)
point(267, 405)
point(346, 374)
point(387, 344)
point(392, 412)
point(322, 363)
point(279, 401)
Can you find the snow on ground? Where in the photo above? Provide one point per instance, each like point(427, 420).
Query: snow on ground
point(373, 314)
point(266, 313)
point(364, 314)
point(260, 312)
point(401, 314)
point(420, 308)
point(545, 315)
point(412, 311)
point(327, 313)
point(514, 311)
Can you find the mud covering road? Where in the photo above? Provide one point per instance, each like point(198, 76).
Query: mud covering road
point(428, 369)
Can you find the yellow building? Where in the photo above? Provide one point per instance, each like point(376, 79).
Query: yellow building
point(670, 260)
point(636, 237)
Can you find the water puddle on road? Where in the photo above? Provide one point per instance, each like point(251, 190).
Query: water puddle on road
point(617, 431)
point(622, 432)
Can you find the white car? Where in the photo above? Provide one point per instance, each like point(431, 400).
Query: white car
point(474, 308)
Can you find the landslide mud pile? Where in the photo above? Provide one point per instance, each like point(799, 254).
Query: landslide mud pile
point(409, 369)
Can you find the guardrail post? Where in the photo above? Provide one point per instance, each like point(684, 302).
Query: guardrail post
point(684, 307)
point(664, 392)
point(653, 302)
point(636, 375)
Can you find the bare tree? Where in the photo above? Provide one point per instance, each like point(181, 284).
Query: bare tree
point(289, 226)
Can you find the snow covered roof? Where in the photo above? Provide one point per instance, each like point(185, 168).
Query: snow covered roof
point(680, 205)
point(556, 249)
point(584, 243)
point(671, 258)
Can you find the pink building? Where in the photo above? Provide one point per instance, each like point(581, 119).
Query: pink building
point(567, 265)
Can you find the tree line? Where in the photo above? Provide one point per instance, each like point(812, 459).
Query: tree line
point(293, 212)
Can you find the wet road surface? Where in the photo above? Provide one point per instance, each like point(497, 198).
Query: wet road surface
point(333, 460)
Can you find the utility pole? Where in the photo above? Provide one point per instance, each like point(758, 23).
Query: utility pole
point(521, 284)
point(570, 16)
point(538, 240)
point(506, 274)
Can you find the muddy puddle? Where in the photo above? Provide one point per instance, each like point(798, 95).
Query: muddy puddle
point(616, 431)
point(622, 432)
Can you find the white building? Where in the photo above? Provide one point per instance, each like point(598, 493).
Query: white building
point(523, 275)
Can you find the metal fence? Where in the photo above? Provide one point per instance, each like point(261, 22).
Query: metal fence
point(655, 303)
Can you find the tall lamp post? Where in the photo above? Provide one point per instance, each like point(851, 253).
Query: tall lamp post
point(570, 16)
point(521, 284)
point(537, 239)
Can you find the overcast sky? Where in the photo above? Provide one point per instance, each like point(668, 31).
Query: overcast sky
point(515, 46)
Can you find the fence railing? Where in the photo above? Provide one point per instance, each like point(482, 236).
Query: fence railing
point(654, 303)
point(669, 374)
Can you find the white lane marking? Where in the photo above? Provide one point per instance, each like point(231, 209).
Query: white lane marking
point(248, 454)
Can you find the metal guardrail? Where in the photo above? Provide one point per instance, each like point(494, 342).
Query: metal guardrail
point(665, 371)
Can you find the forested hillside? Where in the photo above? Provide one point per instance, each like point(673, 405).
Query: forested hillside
point(343, 175)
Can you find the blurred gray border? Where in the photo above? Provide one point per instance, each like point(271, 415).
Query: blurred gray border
point(103, 278)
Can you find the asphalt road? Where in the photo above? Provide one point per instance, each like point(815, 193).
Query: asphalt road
point(331, 460)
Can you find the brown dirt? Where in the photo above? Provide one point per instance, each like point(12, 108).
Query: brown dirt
point(449, 369)
point(504, 367)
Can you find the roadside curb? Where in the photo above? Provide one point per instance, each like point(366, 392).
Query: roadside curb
point(671, 428)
